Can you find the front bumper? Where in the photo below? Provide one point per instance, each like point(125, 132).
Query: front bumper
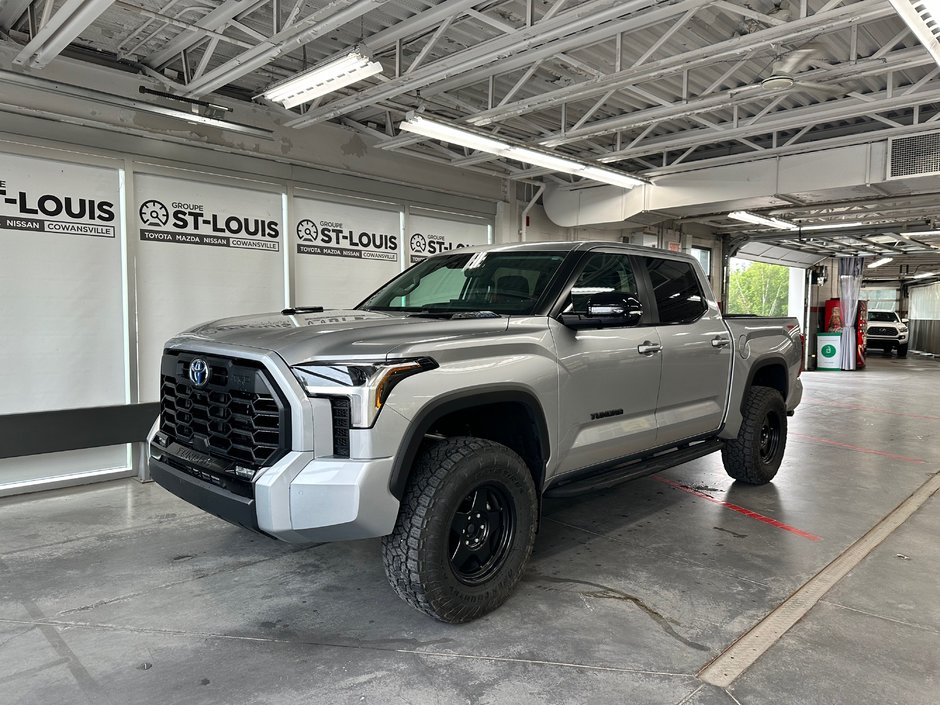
point(300, 499)
point(215, 500)
point(885, 342)
point(303, 497)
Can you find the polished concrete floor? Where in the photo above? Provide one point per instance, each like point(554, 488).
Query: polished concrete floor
point(120, 593)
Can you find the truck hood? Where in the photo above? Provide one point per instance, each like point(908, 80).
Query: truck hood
point(350, 333)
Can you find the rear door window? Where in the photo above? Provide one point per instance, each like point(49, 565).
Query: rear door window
point(677, 290)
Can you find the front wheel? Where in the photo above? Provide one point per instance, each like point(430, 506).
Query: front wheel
point(902, 350)
point(465, 529)
point(755, 455)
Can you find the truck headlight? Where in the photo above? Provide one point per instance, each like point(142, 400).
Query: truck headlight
point(366, 383)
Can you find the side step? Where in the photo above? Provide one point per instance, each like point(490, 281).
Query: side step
point(631, 470)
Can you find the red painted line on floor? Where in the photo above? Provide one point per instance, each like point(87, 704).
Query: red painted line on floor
point(857, 449)
point(739, 509)
point(857, 407)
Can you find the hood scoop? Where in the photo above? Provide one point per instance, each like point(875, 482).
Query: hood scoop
point(301, 310)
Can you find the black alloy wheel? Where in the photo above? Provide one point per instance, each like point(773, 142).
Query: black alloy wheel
point(769, 437)
point(481, 533)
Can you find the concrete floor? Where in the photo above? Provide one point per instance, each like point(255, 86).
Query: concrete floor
point(120, 593)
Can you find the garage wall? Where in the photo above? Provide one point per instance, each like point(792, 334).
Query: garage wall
point(106, 256)
point(62, 302)
point(925, 319)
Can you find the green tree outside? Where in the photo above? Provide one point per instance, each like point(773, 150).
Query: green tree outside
point(758, 288)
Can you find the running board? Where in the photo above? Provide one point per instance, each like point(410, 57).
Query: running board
point(633, 469)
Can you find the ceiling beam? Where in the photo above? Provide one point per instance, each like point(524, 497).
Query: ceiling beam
point(187, 39)
point(71, 19)
point(792, 33)
point(796, 118)
point(720, 101)
point(326, 19)
point(11, 11)
point(522, 47)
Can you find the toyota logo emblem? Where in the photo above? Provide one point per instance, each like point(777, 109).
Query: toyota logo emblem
point(199, 372)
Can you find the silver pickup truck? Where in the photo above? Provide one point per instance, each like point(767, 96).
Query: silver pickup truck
point(440, 411)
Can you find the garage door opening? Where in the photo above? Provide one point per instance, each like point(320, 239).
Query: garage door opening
point(764, 289)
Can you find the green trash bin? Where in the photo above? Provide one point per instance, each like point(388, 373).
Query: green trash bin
point(829, 352)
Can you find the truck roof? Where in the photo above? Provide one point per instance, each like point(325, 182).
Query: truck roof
point(567, 246)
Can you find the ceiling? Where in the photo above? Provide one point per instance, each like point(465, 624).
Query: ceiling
point(649, 87)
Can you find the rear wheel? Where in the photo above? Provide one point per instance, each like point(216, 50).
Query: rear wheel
point(465, 530)
point(755, 455)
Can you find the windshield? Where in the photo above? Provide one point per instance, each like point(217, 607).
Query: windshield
point(502, 282)
point(883, 316)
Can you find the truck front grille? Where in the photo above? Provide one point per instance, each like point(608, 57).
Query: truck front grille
point(880, 330)
point(236, 417)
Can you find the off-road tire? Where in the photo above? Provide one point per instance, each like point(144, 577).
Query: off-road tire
point(417, 554)
point(902, 350)
point(748, 458)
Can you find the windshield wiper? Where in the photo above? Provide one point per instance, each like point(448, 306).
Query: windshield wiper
point(454, 315)
point(427, 313)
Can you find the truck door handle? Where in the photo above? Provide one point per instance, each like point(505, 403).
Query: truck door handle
point(648, 348)
point(720, 342)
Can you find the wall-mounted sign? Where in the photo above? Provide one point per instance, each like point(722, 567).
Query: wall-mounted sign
point(180, 218)
point(53, 206)
point(352, 249)
point(207, 251)
point(340, 230)
point(60, 274)
point(430, 234)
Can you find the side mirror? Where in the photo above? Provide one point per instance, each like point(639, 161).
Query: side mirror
point(606, 310)
point(904, 320)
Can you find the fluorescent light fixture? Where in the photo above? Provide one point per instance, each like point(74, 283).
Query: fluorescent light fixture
point(546, 161)
point(879, 262)
point(324, 79)
point(420, 125)
point(831, 226)
point(924, 275)
point(453, 135)
point(755, 219)
point(609, 176)
point(909, 235)
point(922, 16)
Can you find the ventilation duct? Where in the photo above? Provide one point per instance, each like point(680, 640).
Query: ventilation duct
point(917, 155)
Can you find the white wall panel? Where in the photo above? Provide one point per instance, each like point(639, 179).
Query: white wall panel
point(430, 232)
point(206, 251)
point(343, 248)
point(61, 302)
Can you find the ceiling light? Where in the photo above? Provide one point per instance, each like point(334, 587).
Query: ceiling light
point(609, 176)
point(921, 16)
point(924, 275)
point(762, 220)
point(546, 161)
point(324, 79)
point(453, 135)
point(421, 125)
point(831, 226)
point(879, 262)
